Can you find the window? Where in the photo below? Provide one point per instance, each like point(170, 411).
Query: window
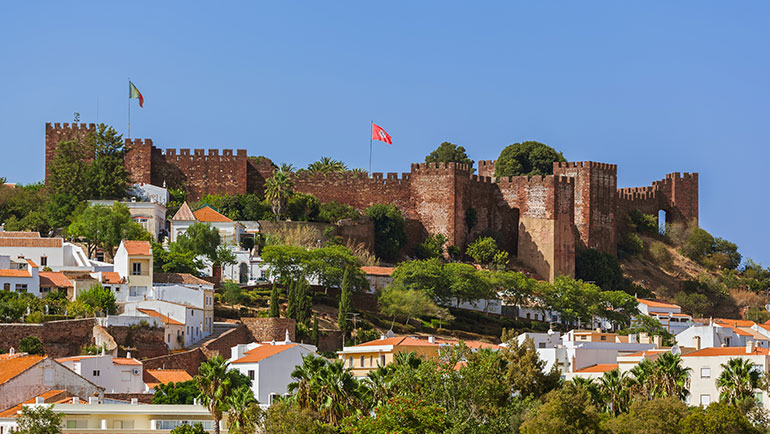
point(362, 361)
point(350, 362)
point(136, 268)
point(604, 338)
point(6, 286)
point(371, 362)
point(132, 291)
point(272, 397)
point(382, 360)
point(77, 423)
point(44, 261)
point(251, 374)
point(705, 372)
point(541, 345)
point(96, 373)
point(21, 287)
point(168, 339)
point(705, 399)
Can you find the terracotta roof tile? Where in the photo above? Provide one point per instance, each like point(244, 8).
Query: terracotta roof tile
point(209, 214)
point(14, 273)
point(262, 352)
point(378, 271)
point(30, 242)
point(53, 279)
point(726, 351)
point(166, 319)
point(19, 234)
point(600, 367)
point(32, 263)
point(733, 322)
point(154, 377)
point(125, 361)
point(111, 277)
point(13, 366)
point(180, 278)
point(137, 248)
point(655, 303)
point(48, 397)
point(184, 213)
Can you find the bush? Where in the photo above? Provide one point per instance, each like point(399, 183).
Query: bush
point(432, 247)
point(660, 255)
point(757, 314)
point(644, 223)
point(482, 250)
point(697, 305)
point(389, 234)
point(100, 299)
point(631, 244)
point(302, 207)
point(333, 212)
point(31, 345)
point(527, 158)
point(699, 244)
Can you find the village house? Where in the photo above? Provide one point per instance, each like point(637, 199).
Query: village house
point(19, 276)
point(133, 262)
point(669, 315)
point(114, 374)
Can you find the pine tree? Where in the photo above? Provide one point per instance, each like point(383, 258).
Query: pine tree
point(291, 309)
point(275, 311)
point(314, 333)
point(345, 303)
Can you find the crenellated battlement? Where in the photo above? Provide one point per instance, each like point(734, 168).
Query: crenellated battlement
point(350, 177)
point(546, 180)
point(213, 154)
point(72, 127)
point(137, 143)
point(585, 164)
point(438, 168)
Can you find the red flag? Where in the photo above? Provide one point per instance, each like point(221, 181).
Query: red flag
point(379, 134)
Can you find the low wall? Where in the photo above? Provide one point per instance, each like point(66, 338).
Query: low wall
point(228, 339)
point(142, 341)
point(268, 329)
point(127, 320)
point(59, 338)
point(142, 398)
point(188, 360)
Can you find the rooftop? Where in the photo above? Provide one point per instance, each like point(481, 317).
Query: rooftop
point(600, 367)
point(138, 248)
point(19, 234)
point(180, 278)
point(378, 271)
point(14, 273)
point(209, 214)
point(727, 351)
point(655, 303)
point(115, 360)
point(165, 318)
point(407, 341)
point(262, 352)
point(184, 213)
point(53, 279)
point(30, 242)
point(154, 377)
point(12, 366)
point(111, 277)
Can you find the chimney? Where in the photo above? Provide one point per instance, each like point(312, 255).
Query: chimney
point(128, 354)
point(134, 401)
point(39, 400)
point(658, 341)
point(749, 347)
point(382, 337)
point(696, 342)
point(431, 339)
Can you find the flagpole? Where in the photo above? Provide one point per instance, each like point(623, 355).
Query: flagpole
point(371, 128)
point(129, 107)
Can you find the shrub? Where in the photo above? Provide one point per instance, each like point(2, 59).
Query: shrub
point(757, 314)
point(333, 212)
point(660, 255)
point(99, 298)
point(631, 244)
point(389, 234)
point(432, 247)
point(482, 250)
point(699, 244)
point(527, 158)
point(31, 345)
point(644, 223)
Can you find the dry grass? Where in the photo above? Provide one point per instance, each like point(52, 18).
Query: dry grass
point(364, 255)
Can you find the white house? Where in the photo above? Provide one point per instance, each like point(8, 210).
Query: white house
point(188, 317)
point(669, 315)
point(721, 333)
point(269, 365)
point(230, 231)
point(19, 275)
point(200, 298)
point(706, 367)
point(133, 262)
point(46, 252)
point(150, 215)
point(114, 374)
point(150, 193)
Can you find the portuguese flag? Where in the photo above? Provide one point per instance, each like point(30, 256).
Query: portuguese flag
point(133, 92)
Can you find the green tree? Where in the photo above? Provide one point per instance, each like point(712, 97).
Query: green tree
point(656, 416)
point(275, 308)
point(603, 269)
point(527, 158)
point(333, 212)
point(60, 209)
point(202, 239)
point(327, 165)
point(346, 304)
point(107, 174)
point(389, 234)
point(100, 299)
point(285, 262)
point(315, 334)
point(244, 414)
point(717, 418)
point(69, 170)
point(565, 410)
point(196, 428)
point(31, 345)
point(39, 420)
point(449, 153)
point(327, 387)
point(216, 382)
point(278, 190)
point(105, 227)
point(232, 294)
point(482, 250)
point(614, 389)
point(302, 207)
point(406, 304)
point(699, 244)
point(405, 414)
point(739, 379)
point(432, 247)
point(183, 392)
point(303, 297)
point(288, 418)
point(175, 259)
point(526, 371)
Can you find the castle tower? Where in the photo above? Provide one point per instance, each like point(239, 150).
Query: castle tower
point(138, 160)
point(60, 132)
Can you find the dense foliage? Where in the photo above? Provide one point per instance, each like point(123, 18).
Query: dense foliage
point(389, 233)
point(449, 153)
point(527, 158)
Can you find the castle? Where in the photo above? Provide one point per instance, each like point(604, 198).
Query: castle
point(541, 219)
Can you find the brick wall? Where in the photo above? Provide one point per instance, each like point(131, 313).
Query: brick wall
point(187, 360)
point(142, 398)
point(59, 338)
point(143, 342)
point(55, 133)
point(228, 339)
point(203, 172)
point(268, 329)
point(138, 160)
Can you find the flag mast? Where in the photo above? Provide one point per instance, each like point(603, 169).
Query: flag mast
point(129, 107)
point(371, 128)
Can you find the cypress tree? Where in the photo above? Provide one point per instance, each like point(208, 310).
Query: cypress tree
point(304, 301)
point(314, 333)
point(275, 311)
point(345, 303)
point(291, 309)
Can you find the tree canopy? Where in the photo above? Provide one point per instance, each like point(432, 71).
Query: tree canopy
point(527, 158)
point(448, 152)
point(389, 233)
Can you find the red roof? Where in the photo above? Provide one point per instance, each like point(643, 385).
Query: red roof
point(727, 351)
point(209, 214)
point(378, 271)
point(19, 234)
point(30, 242)
point(48, 396)
point(12, 366)
point(125, 361)
point(14, 273)
point(601, 367)
point(180, 278)
point(111, 277)
point(409, 341)
point(184, 213)
point(154, 377)
point(166, 319)
point(733, 322)
point(54, 279)
point(655, 303)
point(137, 248)
point(262, 352)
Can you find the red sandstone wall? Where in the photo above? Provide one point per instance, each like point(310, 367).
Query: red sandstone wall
point(268, 329)
point(59, 132)
point(487, 168)
point(358, 191)
point(188, 360)
point(202, 173)
point(677, 194)
point(59, 338)
point(438, 194)
point(138, 160)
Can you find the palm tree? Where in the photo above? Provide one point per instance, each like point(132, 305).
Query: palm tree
point(278, 189)
point(358, 172)
point(643, 383)
point(326, 165)
point(613, 386)
point(338, 392)
point(591, 387)
point(672, 378)
point(379, 384)
point(738, 380)
point(286, 167)
point(304, 386)
point(244, 413)
point(215, 385)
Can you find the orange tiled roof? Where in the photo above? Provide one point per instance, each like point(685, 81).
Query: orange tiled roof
point(181, 278)
point(19, 234)
point(51, 395)
point(378, 271)
point(11, 367)
point(74, 358)
point(53, 279)
point(209, 214)
point(654, 303)
point(733, 322)
point(184, 213)
point(32, 263)
point(600, 367)
point(262, 352)
point(727, 351)
point(125, 361)
point(165, 318)
point(30, 242)
point(111, 277)
point(137, 248)
point(154, 377)
point(740, 332)
point(14, 273)
point(641, 353)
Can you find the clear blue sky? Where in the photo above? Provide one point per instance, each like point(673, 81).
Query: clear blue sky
point(654, 88)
